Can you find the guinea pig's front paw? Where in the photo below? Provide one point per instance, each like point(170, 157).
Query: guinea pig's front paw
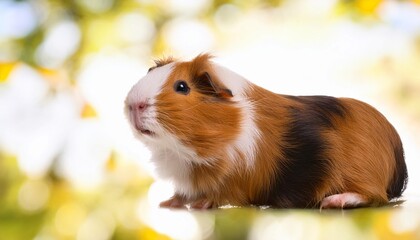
point(174, 202)
point(202, 204)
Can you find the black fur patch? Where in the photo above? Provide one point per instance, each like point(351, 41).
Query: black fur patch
point(306, 163)
point(322, 109)
point(400, 177)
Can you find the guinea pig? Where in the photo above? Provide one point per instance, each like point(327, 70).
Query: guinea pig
point(223, 140)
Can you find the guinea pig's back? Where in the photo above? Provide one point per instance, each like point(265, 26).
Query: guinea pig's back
point(367, 153)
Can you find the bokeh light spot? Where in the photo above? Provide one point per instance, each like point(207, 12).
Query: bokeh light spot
point(99, 225)
point(17, 19)
point(61, 41)
point(135, 28)
point(96, 6)
point(68, 218)
point(188, 36)
point(34, 195)
point(404, 220)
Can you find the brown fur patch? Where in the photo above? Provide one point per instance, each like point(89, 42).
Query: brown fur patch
point(364, 152)
point(162, 62)
point(199, 120)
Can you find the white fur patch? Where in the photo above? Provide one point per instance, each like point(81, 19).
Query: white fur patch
point(172, 162)
point(171, 158)
point(246, 141)
point(233, 81)
point(147, 88)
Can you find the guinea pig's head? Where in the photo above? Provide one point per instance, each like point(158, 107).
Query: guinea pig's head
point(187, 101)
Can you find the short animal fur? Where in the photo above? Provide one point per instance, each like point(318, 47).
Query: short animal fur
point(224, 140)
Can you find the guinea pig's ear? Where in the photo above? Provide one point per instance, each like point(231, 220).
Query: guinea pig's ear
point(206, 85)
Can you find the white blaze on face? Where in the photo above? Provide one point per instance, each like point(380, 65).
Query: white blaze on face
point(171, 158)
point(147, 88)
point(145, 91)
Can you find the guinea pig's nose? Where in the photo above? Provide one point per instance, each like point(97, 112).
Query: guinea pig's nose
point(139, 106)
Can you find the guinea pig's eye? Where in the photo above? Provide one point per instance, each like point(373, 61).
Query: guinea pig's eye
point(181, 87)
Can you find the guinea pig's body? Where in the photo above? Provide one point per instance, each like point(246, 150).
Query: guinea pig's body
point(223, 140)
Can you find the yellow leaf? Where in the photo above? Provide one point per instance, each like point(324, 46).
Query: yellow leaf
point(88, 111)
point(151, 234)
point(50, 75)
point(5, 70)
point(368, 6)
point(111, 163)
point(416, 1)
point(47, 71)
point(56, 78)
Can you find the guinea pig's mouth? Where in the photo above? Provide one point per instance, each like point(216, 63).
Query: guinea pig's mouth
point(142, 129)
point(145, 132)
